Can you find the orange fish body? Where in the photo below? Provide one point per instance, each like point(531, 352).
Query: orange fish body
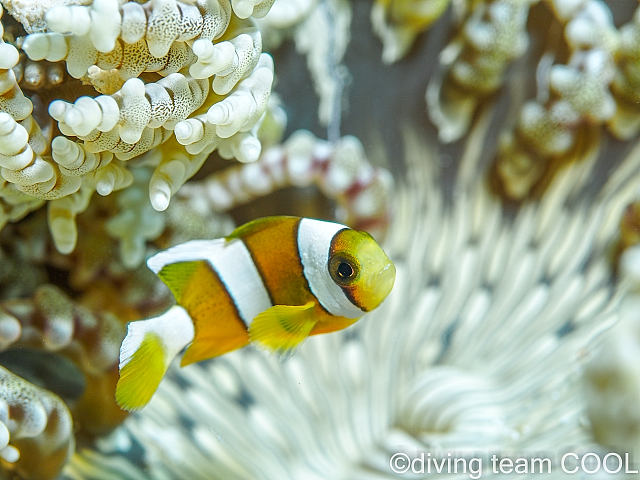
point(272, 282)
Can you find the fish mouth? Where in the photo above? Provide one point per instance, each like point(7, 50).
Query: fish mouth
point(384, 280)
point(376, 287)
point(388, 275)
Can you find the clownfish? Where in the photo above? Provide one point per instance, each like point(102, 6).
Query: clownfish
point(272, 282)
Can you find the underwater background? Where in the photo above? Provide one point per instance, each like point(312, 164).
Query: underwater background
point(490, 146)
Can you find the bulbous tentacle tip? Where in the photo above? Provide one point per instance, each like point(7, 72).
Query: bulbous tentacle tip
point(160, 199)
point(9, 56)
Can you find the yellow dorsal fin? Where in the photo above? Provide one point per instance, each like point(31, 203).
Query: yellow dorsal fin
point(283, 328)
point(140, 377)
point(256, 226)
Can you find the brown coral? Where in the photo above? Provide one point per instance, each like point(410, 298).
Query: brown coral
point(51, 321)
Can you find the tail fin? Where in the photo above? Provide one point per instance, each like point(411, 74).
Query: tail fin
point(146, 353)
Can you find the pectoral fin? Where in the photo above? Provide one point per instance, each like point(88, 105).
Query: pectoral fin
point(283, 328)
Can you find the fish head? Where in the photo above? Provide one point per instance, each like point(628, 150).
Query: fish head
point(359, 266)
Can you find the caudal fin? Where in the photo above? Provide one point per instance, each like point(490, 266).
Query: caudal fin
point(146, 353)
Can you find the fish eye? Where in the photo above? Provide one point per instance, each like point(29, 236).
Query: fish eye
point(345, 270)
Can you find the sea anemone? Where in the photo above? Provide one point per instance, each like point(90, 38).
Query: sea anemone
point(478, 351)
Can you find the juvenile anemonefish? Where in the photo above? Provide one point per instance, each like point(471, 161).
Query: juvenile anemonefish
point(272, 282)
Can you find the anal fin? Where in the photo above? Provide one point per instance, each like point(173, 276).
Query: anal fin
point(206, 347)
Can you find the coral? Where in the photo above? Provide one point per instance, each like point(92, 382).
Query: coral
point(159, 23)
point(12, 99)
point(20, 164)
point(68, 346)
point(137, 74)
point(25, 168)
point(226, 121)
point(563, 128)
point(231, 59)
point(594, 88)
point(147, 68)
point(133, 109)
